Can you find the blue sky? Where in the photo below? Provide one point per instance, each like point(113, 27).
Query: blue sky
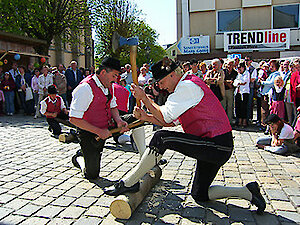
point(161, 16)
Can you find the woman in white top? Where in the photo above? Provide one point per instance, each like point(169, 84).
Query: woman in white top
point(282, 137)
point(241, 93)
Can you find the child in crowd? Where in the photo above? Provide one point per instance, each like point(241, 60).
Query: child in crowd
point(53, 107)
point(8, 86)
point(2, 100)
point(282, 137)
point(276, 96)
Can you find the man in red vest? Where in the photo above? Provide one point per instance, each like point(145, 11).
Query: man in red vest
point(94, 111)
point(207, 135)
point(53, 107)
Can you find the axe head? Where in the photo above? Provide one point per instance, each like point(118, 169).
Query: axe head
point(118, 41)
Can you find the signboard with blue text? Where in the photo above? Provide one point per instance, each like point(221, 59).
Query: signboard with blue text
point(194, 45)
point(233, 56)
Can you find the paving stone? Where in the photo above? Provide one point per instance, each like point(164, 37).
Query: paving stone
point(97, 211)
point(84, 202)
point(12, 219)
point(5, 212)
point(49, 211)
point(16, 204)
point(72, 212)
point(27, 210)
point(275, 194)
point(35, 221)
point(290, 217)
point(60, 221)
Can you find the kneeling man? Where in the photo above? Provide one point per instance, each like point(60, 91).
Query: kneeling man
point(207, 135)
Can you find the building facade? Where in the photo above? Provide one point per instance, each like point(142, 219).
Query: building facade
point(242, 27)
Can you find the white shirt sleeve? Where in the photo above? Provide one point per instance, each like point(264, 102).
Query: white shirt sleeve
point(186, 95)
point(82, 96)
point(43, 108)
point(62, 104)
point(113, 103)
point(254, 74)
point(286, 132)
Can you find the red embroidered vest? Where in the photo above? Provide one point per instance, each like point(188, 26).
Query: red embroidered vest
point(207, 118)
point(99, 112)
point(122, 95)
point(53, 107)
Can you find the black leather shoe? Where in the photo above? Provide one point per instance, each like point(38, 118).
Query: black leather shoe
point(257, 198)
point(119, 188)
point(74, 159)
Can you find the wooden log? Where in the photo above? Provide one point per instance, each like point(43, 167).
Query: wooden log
point(123, 206)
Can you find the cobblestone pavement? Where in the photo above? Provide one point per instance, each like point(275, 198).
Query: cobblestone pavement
point(39, 185)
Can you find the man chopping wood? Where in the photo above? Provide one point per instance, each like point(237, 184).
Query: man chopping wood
point(94, 111)
point(207, 135)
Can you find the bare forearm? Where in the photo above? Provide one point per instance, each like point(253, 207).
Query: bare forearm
point(115, 114)
point(153, 108)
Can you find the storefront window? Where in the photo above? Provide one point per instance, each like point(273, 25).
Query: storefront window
point(286, 16)
point(229, 20)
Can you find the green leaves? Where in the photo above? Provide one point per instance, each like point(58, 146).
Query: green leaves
point(123, 17)
point(43, 19)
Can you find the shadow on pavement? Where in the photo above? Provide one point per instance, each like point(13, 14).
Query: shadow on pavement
point(169, 203)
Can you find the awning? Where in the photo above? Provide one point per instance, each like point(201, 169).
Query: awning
point(21, 53)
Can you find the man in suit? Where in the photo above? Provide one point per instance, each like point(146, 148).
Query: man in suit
point(74, 77)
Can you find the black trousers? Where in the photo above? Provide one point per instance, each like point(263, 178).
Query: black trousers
point(241, 105)
point(54, 124)
point(92, 149)
point(210, 153)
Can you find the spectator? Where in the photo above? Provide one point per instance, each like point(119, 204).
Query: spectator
point(143, 77)
point(194, 68)
point(44, 81)
point(53, 107)
point(61, 68)
point(295, 84)
point(74, 77)
point(59, 80)
point(30, 68)
point(262, 76)
point(242, 94)
point(215, 79)
point(276, 96)
point(203, 70)
point(230, 75)
point(128, 74)
point(149, 74)
point(285, 71)
point(1, 74)
point(2, 100)
point(35, 87)
point(266, 86)
point(186, 66)
point(23, 81)
point(289, 104)
point(14, 70)
point(87, 72)
point(282, 137)
point(253, 77)
point(8, 86)
point(236, 63)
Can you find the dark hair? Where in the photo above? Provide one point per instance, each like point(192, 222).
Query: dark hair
point(23, 67)
point(194, 61)
point(275, 62)
point(248, 58)
point(98, 71)
point(242, 64)
point(221, 61)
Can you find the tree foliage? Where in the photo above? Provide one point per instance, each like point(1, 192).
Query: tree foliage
point(43, 19)
point(123, 17)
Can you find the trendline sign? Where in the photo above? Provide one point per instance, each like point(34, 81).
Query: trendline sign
point(264, 40)
point(194, 45)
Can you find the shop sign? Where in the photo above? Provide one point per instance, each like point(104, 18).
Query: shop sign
point(194, 45)
point(261, 40)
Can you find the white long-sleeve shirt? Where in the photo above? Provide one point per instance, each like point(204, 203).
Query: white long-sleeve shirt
point(239, 80)
point(44, 82)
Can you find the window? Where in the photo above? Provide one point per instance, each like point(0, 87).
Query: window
point(229, 20)
point(286, 16)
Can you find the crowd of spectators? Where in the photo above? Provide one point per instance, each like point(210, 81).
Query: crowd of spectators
point(23, 89)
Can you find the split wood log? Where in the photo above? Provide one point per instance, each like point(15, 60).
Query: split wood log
point(123, 206)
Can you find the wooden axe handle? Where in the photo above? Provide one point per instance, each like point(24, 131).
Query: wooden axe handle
point(133, 54)
point(118, 129)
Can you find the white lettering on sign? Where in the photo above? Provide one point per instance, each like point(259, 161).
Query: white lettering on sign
point(194, 45)
point(257, 40)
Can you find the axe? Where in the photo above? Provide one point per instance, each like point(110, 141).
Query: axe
point(117, 42)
